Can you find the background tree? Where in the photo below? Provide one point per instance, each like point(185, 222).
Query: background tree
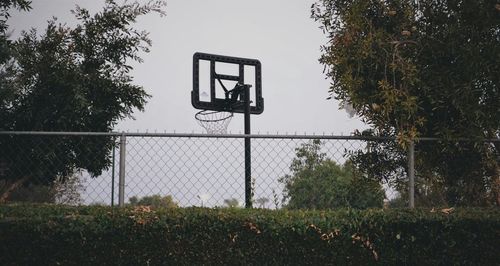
point(7, 92)
point(155, 201)
point(262, 202)
point(232, 203)
point(317, 182)
point(69, 79)
point(68, 192)
point(421, 68)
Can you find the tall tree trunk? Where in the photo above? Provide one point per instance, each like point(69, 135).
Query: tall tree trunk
point(12, 187)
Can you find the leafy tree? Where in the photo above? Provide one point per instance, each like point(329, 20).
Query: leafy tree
point(421, 68)
point(69, 79)
point(155, 201)
point(68, 193)
point(6, 64)
point(317, 182)
point(232, 203)
point(262, 202)
point(5, 43)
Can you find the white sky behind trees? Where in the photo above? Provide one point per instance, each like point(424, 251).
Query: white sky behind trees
point(279, 33)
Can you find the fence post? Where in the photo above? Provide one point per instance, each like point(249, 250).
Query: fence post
point(113, 174)
point(121, 177)
point(411, 173)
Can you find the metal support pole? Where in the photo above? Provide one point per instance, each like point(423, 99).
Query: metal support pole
point(248, 155)
point(113, 174)
point(411, 173)
point(121, 180)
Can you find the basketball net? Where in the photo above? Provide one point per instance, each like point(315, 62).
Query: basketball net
point(214, 122)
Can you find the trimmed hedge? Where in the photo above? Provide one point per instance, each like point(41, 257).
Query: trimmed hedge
point(52, 235)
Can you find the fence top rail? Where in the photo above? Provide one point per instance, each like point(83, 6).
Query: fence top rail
point(200, 135)
point(192, 135)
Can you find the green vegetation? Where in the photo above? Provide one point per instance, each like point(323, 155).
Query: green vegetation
point(261, 202)
point(155, 201)
point(67, 79)
point(421, 68)
point(232, 203)
point(67, 192)
point(317, 182)
point(51, 235)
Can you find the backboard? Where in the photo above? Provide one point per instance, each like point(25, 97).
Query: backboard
point(218, 82)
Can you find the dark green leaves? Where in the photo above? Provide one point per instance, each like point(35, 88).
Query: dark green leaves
point(198, 236)
point(73, 79)
point(421, 68)
point(317, 182)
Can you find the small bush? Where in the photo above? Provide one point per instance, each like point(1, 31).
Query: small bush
point(47, 234)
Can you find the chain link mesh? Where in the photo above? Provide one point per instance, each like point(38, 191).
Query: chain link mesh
point(195, 170)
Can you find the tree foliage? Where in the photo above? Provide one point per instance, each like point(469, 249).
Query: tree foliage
point(6, 71)
point(70, 79)
point(317, 182)
point(232, 203)
point(67, 193)
point(156, 201)
point(422, 68)
point(262, 202)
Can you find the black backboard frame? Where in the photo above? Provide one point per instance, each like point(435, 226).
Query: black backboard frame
point(218, 104)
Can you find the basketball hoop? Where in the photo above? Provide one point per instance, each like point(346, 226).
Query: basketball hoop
point(218, 107)
point(214, 122)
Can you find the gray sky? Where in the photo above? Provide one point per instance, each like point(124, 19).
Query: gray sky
point(279, 33)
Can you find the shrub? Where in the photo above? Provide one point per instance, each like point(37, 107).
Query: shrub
point(46, 234)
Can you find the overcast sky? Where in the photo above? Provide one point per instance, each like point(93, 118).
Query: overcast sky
point(279, 33)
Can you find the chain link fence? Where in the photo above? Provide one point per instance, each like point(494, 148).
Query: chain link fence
point(193, 169)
